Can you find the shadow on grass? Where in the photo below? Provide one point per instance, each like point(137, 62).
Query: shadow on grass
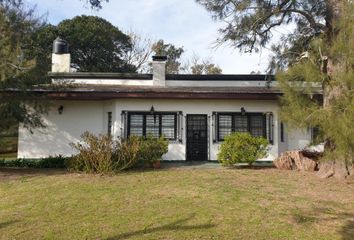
point(4, 224)
point(324, 215)
point(176, 226)
point(347, 231)
point(16, 173)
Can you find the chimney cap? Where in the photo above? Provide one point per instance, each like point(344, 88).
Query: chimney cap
point(60, 46)
point(159, 58)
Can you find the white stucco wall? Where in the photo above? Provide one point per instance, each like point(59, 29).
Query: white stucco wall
point(177, 151)
point(298, 139)
point(171, 83)
point(61, 129)
point(126, 82)
point(218, 83)
point(81, 116)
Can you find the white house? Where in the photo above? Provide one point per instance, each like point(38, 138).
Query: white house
point(194, 112)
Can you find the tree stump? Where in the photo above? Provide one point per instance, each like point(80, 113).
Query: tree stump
point(295, 160)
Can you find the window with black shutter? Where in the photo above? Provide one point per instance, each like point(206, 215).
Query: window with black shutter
point(254, 123)
point(158, 124)
point(109, 123)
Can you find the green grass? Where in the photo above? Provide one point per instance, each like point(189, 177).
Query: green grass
point(174, 204)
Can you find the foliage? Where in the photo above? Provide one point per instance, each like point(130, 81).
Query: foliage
point(96, 4)
point(140, 53)
point(317, 52)
point(17, 65)
point(251, 25)
point(201, 66)
point(152, 149)
point(48, 162)
point(242, 148)
point(127, 153)
point(299, 82)
point(173, 54)
point(102, 154)
point(96, 154)
point(95, 44)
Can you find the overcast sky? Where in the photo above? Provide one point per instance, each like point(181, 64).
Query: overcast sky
point(180, 22)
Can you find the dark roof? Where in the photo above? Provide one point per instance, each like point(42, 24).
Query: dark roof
point(179, 77)
point(101, 92)
point(132, 88)
point(220, 77)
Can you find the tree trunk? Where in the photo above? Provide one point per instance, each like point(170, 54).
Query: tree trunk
point(295, 160)
point(338, 168)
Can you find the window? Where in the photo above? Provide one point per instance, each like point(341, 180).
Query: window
point(158, 124)
point(316, 135)
point(109, 123)
point(254, 123)
point(282, 132)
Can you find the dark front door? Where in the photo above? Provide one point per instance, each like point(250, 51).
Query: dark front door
point(197, 138)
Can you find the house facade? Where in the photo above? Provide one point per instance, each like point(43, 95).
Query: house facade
point(194, 112)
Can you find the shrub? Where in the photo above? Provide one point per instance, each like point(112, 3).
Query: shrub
point(48, 162)
point(101, 154)
point(152, 149)
point(242, 148)
point(126, 153)
point(95, 154)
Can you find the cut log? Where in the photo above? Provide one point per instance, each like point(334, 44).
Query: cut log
point(295, 160)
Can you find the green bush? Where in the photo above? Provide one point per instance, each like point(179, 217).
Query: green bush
point(48, 162)
point(152, 149)
point(242, 148)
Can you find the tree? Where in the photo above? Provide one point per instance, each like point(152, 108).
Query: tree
point(173, 54)
point(140, 53)
point(96, 4)
point(17, 67)
point(96, 45)
point(313, 53)
point(201, 66)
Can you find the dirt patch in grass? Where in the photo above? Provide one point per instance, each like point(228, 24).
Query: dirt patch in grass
point(8, 174)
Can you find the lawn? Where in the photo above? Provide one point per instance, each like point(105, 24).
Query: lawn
point(177, 203)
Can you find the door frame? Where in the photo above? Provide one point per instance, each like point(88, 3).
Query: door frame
point(207, 135)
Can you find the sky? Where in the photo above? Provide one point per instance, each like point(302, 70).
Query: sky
point(183, 23)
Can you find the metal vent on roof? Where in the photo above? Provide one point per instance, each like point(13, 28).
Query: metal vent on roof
point(60, 46)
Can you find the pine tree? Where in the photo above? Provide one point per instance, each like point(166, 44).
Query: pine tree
point(17, 67)
point(319, 52)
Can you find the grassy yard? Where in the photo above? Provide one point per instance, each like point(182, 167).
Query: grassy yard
point(175, 204)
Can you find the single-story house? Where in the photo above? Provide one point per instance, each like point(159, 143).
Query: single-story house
point(194, 112)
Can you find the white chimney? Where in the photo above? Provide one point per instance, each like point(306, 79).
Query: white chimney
point(60, 56)
point(159, 70)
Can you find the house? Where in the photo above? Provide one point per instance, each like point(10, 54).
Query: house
point(194, 112)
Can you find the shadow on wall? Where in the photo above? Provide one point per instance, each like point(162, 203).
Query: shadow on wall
point(43, 144)
point(327, 215)
point(61, 129)
point(178, 225)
